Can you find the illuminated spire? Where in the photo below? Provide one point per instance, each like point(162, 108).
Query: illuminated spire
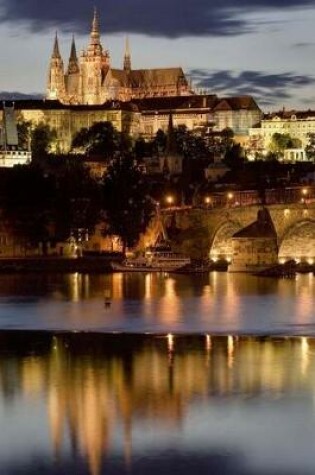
point(56, 52)
point(95, 32)
point(171, 144)
point(127, 56)
point(73, 66)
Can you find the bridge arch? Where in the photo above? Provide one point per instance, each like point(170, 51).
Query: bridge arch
point(221, 246)
point(298, 242)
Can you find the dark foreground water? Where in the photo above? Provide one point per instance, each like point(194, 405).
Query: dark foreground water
point(93, 394)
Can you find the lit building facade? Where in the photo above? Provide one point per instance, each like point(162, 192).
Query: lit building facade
point(140, 117)
point(298, 124)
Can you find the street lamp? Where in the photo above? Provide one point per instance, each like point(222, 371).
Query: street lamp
point(207, 200)
point(304, 193)
point(230, 197)
point(169, 200)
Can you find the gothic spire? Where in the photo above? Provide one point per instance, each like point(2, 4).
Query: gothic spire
point(127, 56)
point(56, 52)
point(171, 145)
point(73, 66)
point(95, 31)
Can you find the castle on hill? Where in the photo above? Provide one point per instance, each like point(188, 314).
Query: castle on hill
point(91, 80)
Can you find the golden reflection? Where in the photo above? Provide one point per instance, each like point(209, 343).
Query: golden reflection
point(304, 355)
point(230, 351)
point(208, 349)
point(208, 343)
point(170, 303)
point(94, 393)
point(170, 343)
point(117, 285)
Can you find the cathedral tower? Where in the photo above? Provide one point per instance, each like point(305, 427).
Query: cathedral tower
point(56, 83)
point(94, 64)
point(72, 78)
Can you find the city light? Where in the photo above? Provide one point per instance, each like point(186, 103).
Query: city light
point(169, 200)
point(170, 342)
point(207, 200)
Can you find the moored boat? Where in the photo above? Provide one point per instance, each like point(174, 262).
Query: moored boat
point(158, 258)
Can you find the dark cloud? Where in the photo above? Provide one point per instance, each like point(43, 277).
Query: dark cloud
point(303, 45)
point(267, 89)
point(173, 18)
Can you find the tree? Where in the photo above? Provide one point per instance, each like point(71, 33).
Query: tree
point(24, 134)
point(310, 148)
point(77, 198)
point(42, 140)
point(280, 142)
point(127, 203)
point(101, 139)
point(235, 156)
point(27, 203)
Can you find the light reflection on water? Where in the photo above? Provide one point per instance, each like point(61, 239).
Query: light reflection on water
point(95, 404)
point(159, 303)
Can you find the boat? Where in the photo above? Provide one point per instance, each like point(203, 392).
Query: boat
point(157, 258)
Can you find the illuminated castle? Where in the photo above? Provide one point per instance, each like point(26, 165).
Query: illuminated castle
point(90, 79)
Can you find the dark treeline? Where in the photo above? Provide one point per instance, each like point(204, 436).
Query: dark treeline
point(57, 194)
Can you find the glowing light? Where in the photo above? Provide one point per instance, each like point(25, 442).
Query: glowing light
point(170, 342)
point(304, 191)
point(281, 261)
point(230, 196)
point(208, 343)
point(169, 199)
point(305, 354)
point(230, 351)
point(214, 259)
point(310, 261)
point(207, 200)
point(297, 260)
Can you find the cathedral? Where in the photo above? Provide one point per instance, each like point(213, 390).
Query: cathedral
point(89, 79)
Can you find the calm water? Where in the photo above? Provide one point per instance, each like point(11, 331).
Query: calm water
point(180, 400)
point(156, 303)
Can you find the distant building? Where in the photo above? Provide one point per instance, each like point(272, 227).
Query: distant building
point(292, 155)
point(298, 124)
point(142, 117)
point(90, 78)
point(11, 153)
point(207, 112)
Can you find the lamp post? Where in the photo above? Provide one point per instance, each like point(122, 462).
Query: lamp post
point(304, 193)
point(230, 197)
point(207, 201)
point(170, 200)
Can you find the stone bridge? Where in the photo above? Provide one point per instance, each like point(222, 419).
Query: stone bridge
point(208, 232)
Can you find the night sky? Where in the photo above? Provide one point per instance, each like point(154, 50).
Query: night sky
point(265, 48)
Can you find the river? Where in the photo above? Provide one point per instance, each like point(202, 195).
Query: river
point(218, 303)
point(160, 374)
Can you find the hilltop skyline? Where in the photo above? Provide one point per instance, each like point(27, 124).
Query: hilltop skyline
point(263, 48)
